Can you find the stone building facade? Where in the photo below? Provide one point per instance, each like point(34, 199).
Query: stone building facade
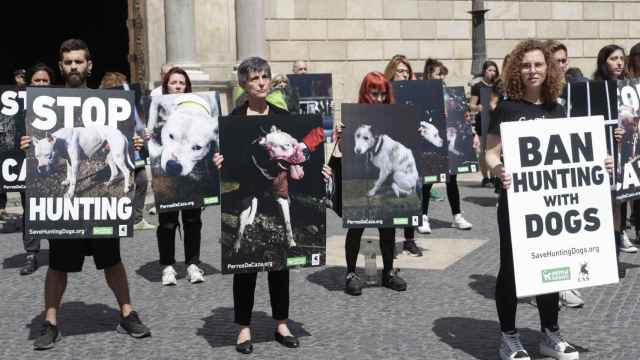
point(351, 37)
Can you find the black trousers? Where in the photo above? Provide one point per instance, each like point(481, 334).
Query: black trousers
point(141, 181)
point(506, 301)
point(166, 232)
point(387, 247)
point(453, 195)
point(244, 288)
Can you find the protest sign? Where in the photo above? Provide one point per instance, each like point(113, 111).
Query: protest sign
point(184, 137)
point(12, 111)
point(462, 155)
point(79, 167)
point(628, 173)
point(380, 179)
point(312, 94)
point(428, 98)
point(273, 209)
point(559, 204)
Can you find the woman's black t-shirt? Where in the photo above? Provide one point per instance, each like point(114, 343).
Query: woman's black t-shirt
point(520, 110)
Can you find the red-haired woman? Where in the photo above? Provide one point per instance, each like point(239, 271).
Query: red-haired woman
point(375, 89)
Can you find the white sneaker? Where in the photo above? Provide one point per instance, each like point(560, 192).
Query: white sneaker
point(571, 299)
point(143, 225)
point(626, 245)
point(460, 222)
point(511, 348)
point(425, 228)
point(169, 276)
point(555, 346)
point(153, 211)
point(195, 274)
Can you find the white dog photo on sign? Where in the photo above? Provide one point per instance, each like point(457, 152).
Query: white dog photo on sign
point(182, 135)
point(392, 159)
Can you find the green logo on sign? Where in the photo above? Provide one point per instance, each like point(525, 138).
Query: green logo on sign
point(463, 169)
point(400, 221)
point(558, 274)
point(430, 179)
point(103, 230)
point(210, 200)
point(140, 163)
point(297, 261)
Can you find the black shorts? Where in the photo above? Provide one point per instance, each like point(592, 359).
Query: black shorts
point(67, 255)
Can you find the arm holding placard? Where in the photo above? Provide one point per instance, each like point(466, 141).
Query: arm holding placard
point(492, 156)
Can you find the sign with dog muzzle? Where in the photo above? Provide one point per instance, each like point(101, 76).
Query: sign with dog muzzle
point(182, 136)
point(427, 97)
point(380, 179)
point(79, 163)
point(12, 112)
point(273, 192)
point(559, 203)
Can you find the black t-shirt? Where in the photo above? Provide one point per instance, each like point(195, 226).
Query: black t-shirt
point(476, 91)
point(520, 110)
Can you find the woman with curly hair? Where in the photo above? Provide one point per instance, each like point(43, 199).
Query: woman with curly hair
point(533, 83)
point(374, 89)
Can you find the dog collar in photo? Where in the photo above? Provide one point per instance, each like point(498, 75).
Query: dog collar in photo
point(194, 105)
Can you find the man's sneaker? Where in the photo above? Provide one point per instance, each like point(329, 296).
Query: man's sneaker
point(133, 326)
point(30, 265)
point(353, 284)
point(143, 225)
point(555, 346)
point(626, 245)
point(169, 276)
point(485, 181)
point(195, 274)
point(511, 348)
point(425, 228)
point(49, 336)
point(410, 248)
point(392, 281)
point(571, 299)
point(460, 222)
point(153, 210)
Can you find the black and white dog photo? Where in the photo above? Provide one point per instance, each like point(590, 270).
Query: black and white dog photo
point(182, 137)
point(380, 177)
point(272, 204)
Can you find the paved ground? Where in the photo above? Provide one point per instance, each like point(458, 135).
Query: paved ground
point(448, 311)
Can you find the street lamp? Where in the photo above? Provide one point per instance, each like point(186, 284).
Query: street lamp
point(478, 40)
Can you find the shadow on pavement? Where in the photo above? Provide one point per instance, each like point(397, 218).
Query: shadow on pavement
point(481, 338)
point(220, 330)
point(17, 261)
point(439, 224)
point(485, 285)
point(152, 271)
point(79, 318)
point(485, 201)
point(331, 278)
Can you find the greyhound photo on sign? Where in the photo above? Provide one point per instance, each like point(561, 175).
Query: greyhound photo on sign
point(182, 136)
point(380, 179)
point(273, 212)
point(79, 164)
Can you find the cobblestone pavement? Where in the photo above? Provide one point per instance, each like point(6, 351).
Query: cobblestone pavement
point(445, 314)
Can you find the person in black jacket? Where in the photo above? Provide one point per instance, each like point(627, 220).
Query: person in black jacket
point(254, 76)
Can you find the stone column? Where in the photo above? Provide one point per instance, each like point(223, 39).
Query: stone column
point(180, 37)
point(250, 29)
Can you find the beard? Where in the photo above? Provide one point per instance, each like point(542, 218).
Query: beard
point(75, 79)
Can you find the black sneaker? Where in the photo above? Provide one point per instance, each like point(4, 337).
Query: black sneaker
point(133, 326)
point(353, 284)
point(485, 181)
point(30, 265)
point(411, 248)
point(392, 281)
point(49, 335)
